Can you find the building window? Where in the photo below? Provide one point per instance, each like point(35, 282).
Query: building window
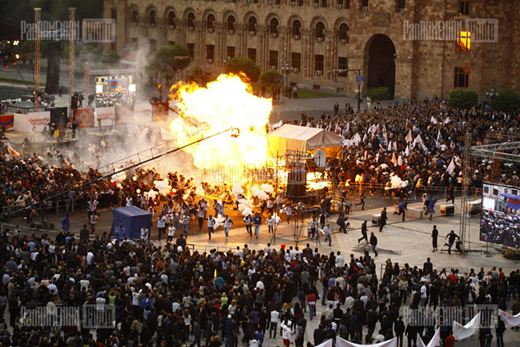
point(230, 50)
point(296, 61)
point(464, 41)
point(231, 23)
point(399, 5)
point(152, 20)
point(320, 31)
point(363, 4)
point(273, 59)
point(251, 25)
point(318, 64)
point(464, 8)
point(461, 78)
point(343, 32)
point(273, 26)
point(171, 19)
point(342, 66)
point(210, 22)
point(296, 28)
point(210, 53)
point(191, 50)
point(190, 23)
point(251, 54)
point(135, 42)
point(135, 16)
point(153, 45)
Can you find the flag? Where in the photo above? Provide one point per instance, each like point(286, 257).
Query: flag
point(439, 136)
point(215, 274)
point(389, 149)
point(407, 151)
point(377, 157)
point(344, 343)
point(409, 137)
point(418, 140)
point(434, 342)
point(451, 167)
point(400, 160)
point(509, 320)
point(394, 159)
point(365, 137)
point(395, 146)
point(447, 120)
point(462, 332)
point(433, 120)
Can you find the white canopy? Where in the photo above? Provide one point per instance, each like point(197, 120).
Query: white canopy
point(298, 138)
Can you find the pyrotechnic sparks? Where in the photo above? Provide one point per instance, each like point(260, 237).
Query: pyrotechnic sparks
point(227, 102)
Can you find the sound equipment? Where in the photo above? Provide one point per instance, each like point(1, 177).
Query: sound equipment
point(296, 184)
point(447, 210)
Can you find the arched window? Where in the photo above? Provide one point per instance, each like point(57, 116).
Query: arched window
point(320, 30)
point(135, 16)
point(171, 19)
point(231, 23)
point(190, 21)
point(273, 26)
point(152, 20)
point(296, 28)
point(210, 22)
point(251, 24)
point(343, 32)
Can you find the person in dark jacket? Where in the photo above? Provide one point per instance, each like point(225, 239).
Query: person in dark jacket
point(364, 232)
point(383, 219)
point(399, 331)
point(373, 243)
point(435, 236)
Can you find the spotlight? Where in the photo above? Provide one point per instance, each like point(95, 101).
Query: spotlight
point(235, 132)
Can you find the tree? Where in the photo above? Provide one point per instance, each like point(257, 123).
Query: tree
point(463, 98)
point(507, 101)
point(272, 80)
point(237, 65)
point(167, 61)
point(379, 93)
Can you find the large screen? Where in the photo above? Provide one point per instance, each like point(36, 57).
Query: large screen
point(500, 222)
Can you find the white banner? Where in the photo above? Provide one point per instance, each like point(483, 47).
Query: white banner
point(105, 115)
point(509, 320)
point(461, 332)
point(434, 342)
point(344, 343)
point(31, 122)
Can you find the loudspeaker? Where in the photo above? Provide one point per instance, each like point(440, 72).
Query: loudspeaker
point(295, 191)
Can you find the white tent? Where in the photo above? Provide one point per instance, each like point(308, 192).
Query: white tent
point(291, 137)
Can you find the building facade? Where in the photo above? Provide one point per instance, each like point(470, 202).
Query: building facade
point(416, 48)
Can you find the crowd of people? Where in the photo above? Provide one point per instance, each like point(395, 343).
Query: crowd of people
point(174, 296)
point(422, 143)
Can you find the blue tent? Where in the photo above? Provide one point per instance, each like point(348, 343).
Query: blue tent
point(128, 221)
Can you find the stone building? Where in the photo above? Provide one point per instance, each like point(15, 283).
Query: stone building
point(417, 48)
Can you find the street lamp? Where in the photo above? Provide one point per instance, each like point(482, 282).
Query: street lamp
point(286, 69)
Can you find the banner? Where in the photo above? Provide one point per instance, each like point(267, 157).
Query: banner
point(344, 343)
point(509, 320)
point(7, 121)
point(461, 332)
point(105, 116)
point(32, 122)
point(84, 117)
point(434, 342)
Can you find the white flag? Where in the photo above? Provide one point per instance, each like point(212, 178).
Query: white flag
point(389, 149)
point(344, 343)
point(407, 151)
point(509, 320)
point(433, 120)
point(461, 332)
point(434, 342)
point(418, 140)
point(447, 120)
point(327, 343)
point(399, 161)
point(439, 136)
point(409, 137)
point(365, 137)
point(451, 167)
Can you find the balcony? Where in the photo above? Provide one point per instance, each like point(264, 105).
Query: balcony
point(318, 72)
point(296, 37)
point(211, 30)
point(252, 33)
point(274, 35)
point(320, 39)
point(343, 41)
point(209, 61)
point(190, 28)
point(231, 31)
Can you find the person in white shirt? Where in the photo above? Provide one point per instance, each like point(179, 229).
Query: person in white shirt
point(328, 234)
point(171, 232)
point(340, 261)
point(273, 326)
point(90, 258)
point(227, 225)
point(424, 294)
point(270, 224)
point(286, 333)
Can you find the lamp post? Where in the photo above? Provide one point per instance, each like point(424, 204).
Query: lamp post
point(360, 79)
point(286, 69)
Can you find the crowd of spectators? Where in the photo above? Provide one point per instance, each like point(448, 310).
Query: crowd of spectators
point(174, 296)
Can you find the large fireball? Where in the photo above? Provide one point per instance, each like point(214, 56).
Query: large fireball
point(227, 102)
